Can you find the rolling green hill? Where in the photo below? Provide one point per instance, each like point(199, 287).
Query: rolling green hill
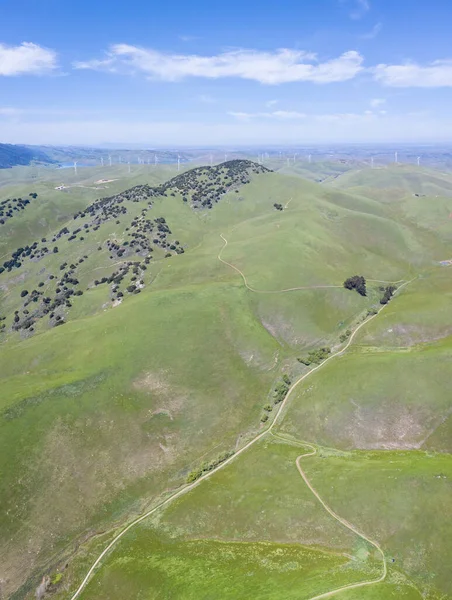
point(395, 181)
point(147, 322)
point(320, 171)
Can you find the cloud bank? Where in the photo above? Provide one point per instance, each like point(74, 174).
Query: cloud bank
point(435, 74)
point(26, 59)
point(280, 66)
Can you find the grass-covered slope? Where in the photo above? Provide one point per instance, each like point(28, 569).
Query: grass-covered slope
point(395, 181)
point(380, 404)
point(118, 408)
point(253, 529)
point(166, 360)
point(401, 498)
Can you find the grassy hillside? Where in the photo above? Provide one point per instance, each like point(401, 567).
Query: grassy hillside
point(395, 181)
point(136, 356)
point(406, 507)
point(320, 171)
point(255, 528)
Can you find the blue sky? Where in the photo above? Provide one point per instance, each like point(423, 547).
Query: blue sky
point(236, 73)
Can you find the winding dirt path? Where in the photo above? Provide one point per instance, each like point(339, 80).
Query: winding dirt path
point(253, 441)
point(341, 520)
point(306, 287)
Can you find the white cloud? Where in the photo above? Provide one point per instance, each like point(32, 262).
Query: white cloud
point(376, 102)
point(277, 114)
point(271, 103)
point(435, 74)
point(25, 59)
point(280, 66)
point(370, 35)
point(358, 8)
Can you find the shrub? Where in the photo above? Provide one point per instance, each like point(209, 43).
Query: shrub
point(344, 336)
point(23, 293)
point(280, 391)
point(208, 466)
point(194, 475)
point(315, 356)
point(389, 292)
point(358, 283)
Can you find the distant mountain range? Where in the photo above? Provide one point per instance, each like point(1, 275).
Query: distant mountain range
point(12, 155)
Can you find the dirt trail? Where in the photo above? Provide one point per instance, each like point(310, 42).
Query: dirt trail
point(282, 406)
point(342, 521)
point(306, 287)
point(287, 203)
point(294, 289)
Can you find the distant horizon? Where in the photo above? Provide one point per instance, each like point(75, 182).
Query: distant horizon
point(238, 147)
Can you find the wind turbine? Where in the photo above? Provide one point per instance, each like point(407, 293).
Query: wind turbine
point(225, 157)
point(109, 158)
point(129, 165)
point(309, 158)
point(75, 167)
point(155, 160)
point(372, 162)
point(294, 157)
point(102, 160)
point(178, 162)
point(418, 161)
point(396, 157)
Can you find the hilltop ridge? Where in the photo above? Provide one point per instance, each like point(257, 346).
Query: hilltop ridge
point(119, 229)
